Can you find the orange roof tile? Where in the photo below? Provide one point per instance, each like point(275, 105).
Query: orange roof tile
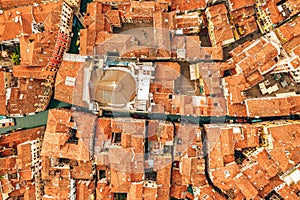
point(65, 91)
point(11, 27)
point(227, 141)
point(113, 18)
point(87, 41)
point(295, 102)
point(21, 136)
point(268, 107)
point(285, 135)
point(245, 186)
point(56, 143)
point(287, 193)
point(267, 163)
point(36, 49)
point(84, 189)
point(209, 193)
point(163, 192)
point(24, 155)
point(184, 5)
point(8, 163)
point(237, 4)
point(254, 78)
point(295, 5)
point(217, 9)
point(275, 15)
point(116, 43)
point(28, 72)
point(236, 85)
point(164, 20)
point(220, 25)
point(256, 175)
point(167, 70)
point(250, 135)
point(3, 110)
point(7, 4)
point(223, 176)
point(177, 191)
point(136, 191)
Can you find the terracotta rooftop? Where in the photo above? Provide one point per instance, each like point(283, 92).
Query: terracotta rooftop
point(20, 137)
point(261, 60)
point(113, 18)
point(283, 152)
point(245, 26)
point(94, 19)
point(217, 9)
point(57, 134)
point(139, 10)
point(187, 135)
point(275, 15)
point(223, 177)
point(7, 4)
point(256, 175)
point(221, 32)
point(268, 107)
point(245, 186)
point(235, 86)
point(36, 50)
point(286, 192)
point(84, 189)
point(164, 20)
point(69, 83)
point(11, 29)
point(2, 94)
point(236, 4)
point(221, 144)
point(87, 42)
point(245, 136)
point(167, 71)
point(116, 43)
point(295, 5)
point(288, 31)
point(24, 98)
point(184, 5)
point(266, 162)
point(28, 72)
point(236, 109)
point(208, 192)
point(194, 51)
point(58, 188)
point(274, 182)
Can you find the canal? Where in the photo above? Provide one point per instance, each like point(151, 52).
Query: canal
point(39, 119)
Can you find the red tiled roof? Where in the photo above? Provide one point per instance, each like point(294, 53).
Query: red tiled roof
point(268, 107)
point(11, 30)
point(167, 70)
point(55, 140)
point(3, 110)
point(238, 4)
point(184, 5)
point(21, 136)
point(28, 72)
point(245, 186)
point(67, 92)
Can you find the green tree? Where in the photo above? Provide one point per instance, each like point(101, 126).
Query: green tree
point(15, 58)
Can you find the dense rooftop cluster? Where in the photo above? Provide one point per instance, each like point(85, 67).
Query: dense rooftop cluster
point(81, 156)
point(210, 47)
point(203, 58)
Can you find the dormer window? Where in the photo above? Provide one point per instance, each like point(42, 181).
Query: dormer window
point(101, 175)
point(116, 137)
point(72, 139)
